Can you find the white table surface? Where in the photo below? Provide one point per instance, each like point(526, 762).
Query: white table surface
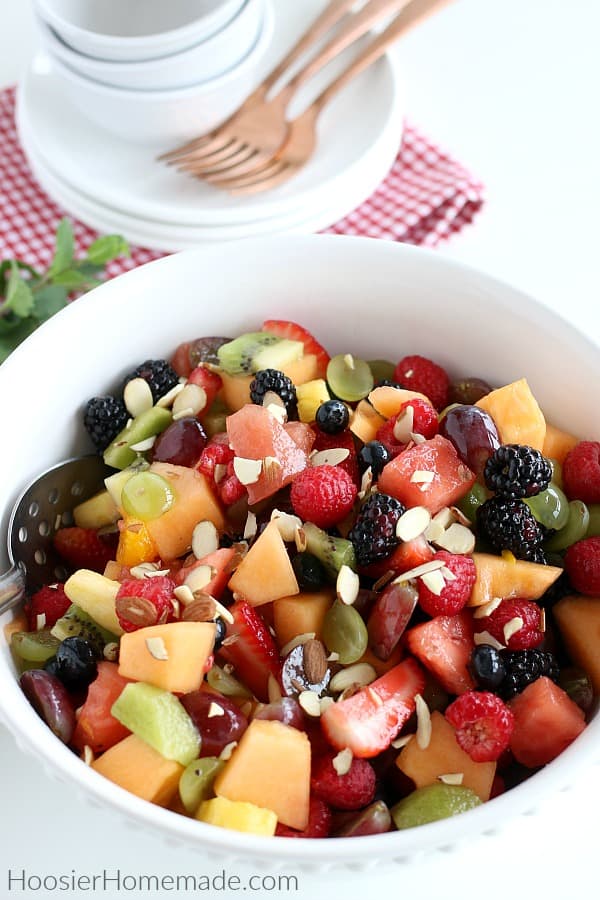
point(510, 88)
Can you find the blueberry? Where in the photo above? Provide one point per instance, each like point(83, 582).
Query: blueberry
point(332, 416)
point(309, 571)
point(374, 455)
point(75, 663)
point(220, 632)
point(487, 667)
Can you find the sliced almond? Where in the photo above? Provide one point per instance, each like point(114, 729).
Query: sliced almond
point(184, 594)
point(88, 755)
point(137, 610)
point(434, 531)
point(343, 761)
point(423, 723)
point(512, 627)
point(223, 612)
point(383, 580)
point(417, 438)
point(331, 457)
point(191, 397)
point(309, 701)
point(247, 470)
point(273, 689)
point(457, 539)
point(542, 619)
point(452, 778)
point(434, 581)
point(205, 539)
point(422, 476)
point(484, 637)
point(445, 517)
point(147, 570)
point(430, 566)
point(251, 526)
point(404, 425)
point(296, 642)
point(186, 413)
point(168, 398)
point(448, 574)
point(287, 524)
point(156, 648)
point(137, 397)
point(402, 741)
point(198, 578)
point(300, 540)
point(460, 516)
point(271, 468)
point(147, 444)
point(227, 750)
point(375, 698)
point(360, 674)
point(111, 651)
point(486, 609)
point(325, 703)
point(203, 608)
point(40, 621)
point(215, 710)
point(412, 523)
point(366, 483)
point(349, 361)
point(220, 471)
point(347, 585)
point(314, 661)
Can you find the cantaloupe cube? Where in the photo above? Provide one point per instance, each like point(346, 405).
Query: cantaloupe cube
point(498, 576)
point(135, 544)
point(515, 411)
point(235, 391)
point(185, 647)
point(141, 770)
point(388, 400)
point(578, 619)
point(301, 614)
point(443, 756)
point(265, 573)
point(270, 768)
point(365, 422)
point(558, 443)
point(194, 502)
point(96, 595)
point(237, 816)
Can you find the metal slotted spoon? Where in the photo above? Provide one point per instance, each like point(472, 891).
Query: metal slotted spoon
point(43, 507)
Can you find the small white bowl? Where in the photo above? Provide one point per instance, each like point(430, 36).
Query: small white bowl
point(129, 30)
point(163, 118)
point(212, 57)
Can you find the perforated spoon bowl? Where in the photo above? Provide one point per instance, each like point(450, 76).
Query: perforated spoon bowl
point(43, 507)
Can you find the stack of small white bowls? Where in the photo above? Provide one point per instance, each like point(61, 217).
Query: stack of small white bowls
point(145, 69)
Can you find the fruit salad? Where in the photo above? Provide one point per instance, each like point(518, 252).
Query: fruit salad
point(320, 596)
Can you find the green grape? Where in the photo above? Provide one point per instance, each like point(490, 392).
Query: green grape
point(34, 646)
point(573, 531)
point(349, 378)
point(345, 633)
point(147, 496)
point(593, 529)
point(470, 503)
point(550, 507)
point(431, 803)
point(556, 472)
point(196, 782)
point(225, 683)
point(382, 369)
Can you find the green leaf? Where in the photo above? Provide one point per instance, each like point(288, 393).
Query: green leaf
point(8, 342)
point(71, 279)
point(49, 300)
point(65, 249)
point(5, 270)
point(106, 248)
point(19, 298)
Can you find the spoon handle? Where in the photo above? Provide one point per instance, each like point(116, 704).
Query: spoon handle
point(12, 587)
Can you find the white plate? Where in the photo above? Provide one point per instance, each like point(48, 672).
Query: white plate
point(168, 237)
point(128, 178)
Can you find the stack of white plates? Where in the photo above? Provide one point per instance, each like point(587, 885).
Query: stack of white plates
point(113, 185)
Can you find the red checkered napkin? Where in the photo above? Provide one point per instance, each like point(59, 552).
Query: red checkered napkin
point(426, 197)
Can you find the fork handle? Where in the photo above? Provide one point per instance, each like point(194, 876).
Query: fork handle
point(411, 15)
point(358, 25)
point(12, 587)
point(334, 11)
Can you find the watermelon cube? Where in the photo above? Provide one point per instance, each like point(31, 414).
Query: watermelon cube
point(444, 645)
point(546, 722)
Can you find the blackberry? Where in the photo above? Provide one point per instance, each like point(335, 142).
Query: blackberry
point(515, 470)
point(273, 380)
point(104, 418)
point(510, 525)
point(159, 374)
point(387, 382)
point(332, 416)
point(374, 455)
point(309, 571)
point(374, 532)
point(524, 667)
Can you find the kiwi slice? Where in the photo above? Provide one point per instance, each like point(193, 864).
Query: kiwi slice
point(332, 552)
point(76, 622)
point(119, 454)
point(159, 719)
point(258, 350)
point(431, 803)
point(31, 649)
point(196, 782)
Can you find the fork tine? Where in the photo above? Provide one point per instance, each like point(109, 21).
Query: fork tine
point(207, 163)
point(266, 184)
point(254, 162)
point(190, 147)
point(272, 168)
point(211, 151)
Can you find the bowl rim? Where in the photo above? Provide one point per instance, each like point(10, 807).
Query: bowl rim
point(152, 95)
point(486, 820)
point(209, 24)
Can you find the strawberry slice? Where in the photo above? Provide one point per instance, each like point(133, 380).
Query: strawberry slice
point(211, 383)
point(221, 562)
point(252, 651)
point(444, 645)
point(294, 332)
point(51, 602)
point(408, 555)
point(368, 721)
point(83, 548)
point(390, 617)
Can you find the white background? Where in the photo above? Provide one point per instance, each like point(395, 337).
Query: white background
point(510, 87)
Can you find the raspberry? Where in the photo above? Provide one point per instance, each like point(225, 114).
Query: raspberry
point(323, 495)
point(385, 436)
point(582, 562)
point(456, 593)
point(158, 591)
point(374, 532)
point(51, 602)
point(319, 822)
point(104, 418)
point(273, 380)
point(483, 723)
point(83, 548)
point(515, 470)
point(216, 452)
point(159, 374)
point(231, 488)
point(522, 667)
point(353, 790)
point(510, 525)
point(425, 420)
point(529, 635)
point(342, 441)
point(581, 472)
point(420, 374)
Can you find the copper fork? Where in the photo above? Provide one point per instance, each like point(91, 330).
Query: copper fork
point(301, 141)
point(258, 130)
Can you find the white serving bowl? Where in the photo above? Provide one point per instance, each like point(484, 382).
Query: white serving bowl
point(165, 118)
point(128, 30)
point(209, 59)
point(375, 298)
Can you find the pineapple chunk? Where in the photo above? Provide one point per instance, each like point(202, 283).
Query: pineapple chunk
point(96, 596)
point(310, 396)
point(98, 511)
point(238, 816)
